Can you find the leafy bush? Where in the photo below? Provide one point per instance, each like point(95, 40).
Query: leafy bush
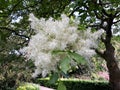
point(76, 84)
point(13, 71)
point(28, 86)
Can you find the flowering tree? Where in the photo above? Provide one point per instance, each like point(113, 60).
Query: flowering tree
point(98, 14)
point(59, 44)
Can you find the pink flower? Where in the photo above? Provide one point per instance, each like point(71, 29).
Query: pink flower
point(104, 75)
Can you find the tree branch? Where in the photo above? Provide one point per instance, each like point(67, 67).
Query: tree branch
point(116, 21)
point(103, 10)
point(13, 31)
point(105, 13)
point(99, 53)
point(77, 8)
point(96, 14)
point(16, 5)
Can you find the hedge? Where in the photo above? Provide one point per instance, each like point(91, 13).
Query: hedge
point(76, 84)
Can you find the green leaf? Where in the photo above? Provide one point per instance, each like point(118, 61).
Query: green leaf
point(53, 78)
point(65, 64)
point(3, 36)
point(83, 17)
point(61, 86)
point(78, 58)
point(82, 27)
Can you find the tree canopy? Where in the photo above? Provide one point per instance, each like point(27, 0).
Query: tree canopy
point(13, 13)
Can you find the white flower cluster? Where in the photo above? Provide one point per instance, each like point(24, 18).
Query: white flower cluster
point(54, 35)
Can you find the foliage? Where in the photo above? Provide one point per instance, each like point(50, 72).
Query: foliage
point(77, 84)
point(116, 43)
point(28, 86)
point(13, 72)
point(61, 86)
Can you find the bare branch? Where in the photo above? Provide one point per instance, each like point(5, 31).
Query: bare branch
point(116, 21)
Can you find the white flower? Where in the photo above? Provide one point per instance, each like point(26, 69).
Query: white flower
point(86, 52)
point(54, 35)
point(36, 73)
point(53, 44)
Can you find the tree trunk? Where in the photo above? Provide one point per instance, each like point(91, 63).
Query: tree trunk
point(109, 56)
point(112, 65)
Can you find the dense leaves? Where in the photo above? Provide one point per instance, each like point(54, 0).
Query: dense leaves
point(61, 86)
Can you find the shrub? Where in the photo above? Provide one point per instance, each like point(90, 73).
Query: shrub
point(76, 84)
point(28, 86)
point(13, 72)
